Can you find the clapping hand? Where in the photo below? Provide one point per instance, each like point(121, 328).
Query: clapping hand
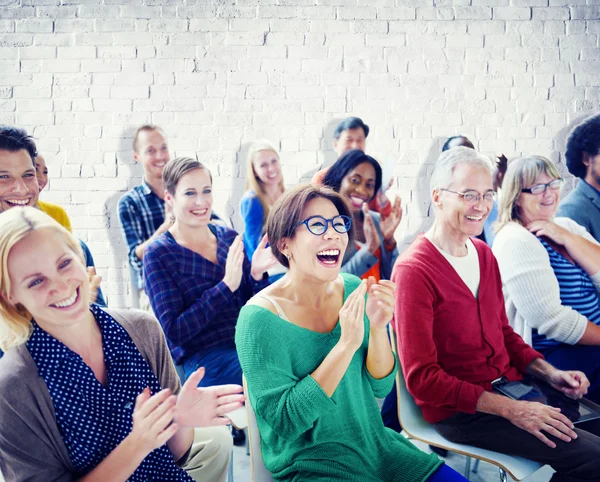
point(206, 406)
point(371, 235)
point(262, 259)
point(234, 264)
point(95, 281)
point(152, 417)
point(352, 318)
point(390, 223)
point(380, 302)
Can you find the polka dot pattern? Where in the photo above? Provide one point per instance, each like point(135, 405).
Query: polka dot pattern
point(94, 419)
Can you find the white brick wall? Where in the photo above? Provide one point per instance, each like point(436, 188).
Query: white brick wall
point(217, 74)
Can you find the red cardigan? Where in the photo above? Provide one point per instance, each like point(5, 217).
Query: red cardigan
point(451, 345)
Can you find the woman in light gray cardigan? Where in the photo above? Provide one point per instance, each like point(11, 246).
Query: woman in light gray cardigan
point(85, 393)
point(550, 270)
point(357, 177)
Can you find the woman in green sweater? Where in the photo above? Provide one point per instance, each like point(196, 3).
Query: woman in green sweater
point(316, 354)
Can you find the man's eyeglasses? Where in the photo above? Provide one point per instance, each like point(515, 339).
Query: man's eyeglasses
point(317, 225)
point(541, 188)
point(473, 197)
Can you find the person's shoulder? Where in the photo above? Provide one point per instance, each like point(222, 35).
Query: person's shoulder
point(511, 236)
point(351, 282)
point(249, 196)
point(131, 197)
point(139, 322)
point(162, 245)
point(225, 232)
point(570, 225)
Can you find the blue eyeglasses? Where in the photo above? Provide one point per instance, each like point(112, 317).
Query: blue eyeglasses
point(318, 225)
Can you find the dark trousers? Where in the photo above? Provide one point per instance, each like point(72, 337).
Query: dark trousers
point(573, 461)
point(578, 357)
point(221, 364)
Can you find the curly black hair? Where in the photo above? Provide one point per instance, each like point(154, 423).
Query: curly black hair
point(348, 161)
point(584, 138)
point(14, 139)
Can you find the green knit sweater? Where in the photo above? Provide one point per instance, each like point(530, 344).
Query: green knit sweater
point(305, 435)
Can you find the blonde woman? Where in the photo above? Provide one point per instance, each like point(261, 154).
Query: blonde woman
point(88, 393)
point(550, 270)
point(264, 186)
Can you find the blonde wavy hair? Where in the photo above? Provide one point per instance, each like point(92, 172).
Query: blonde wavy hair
point(521, 173)
point(17, 223)
point(253, 182)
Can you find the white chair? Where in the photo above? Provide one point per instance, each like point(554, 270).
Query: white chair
point(413, 423)
point(258, 471)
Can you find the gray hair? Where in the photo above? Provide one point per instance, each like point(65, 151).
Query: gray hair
point(443, 171)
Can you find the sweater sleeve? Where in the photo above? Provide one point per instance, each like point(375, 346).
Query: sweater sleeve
point(531, 285)
point(30, 443)
point(288, 404)
point(253, 215)
point(383, 386)
point(180, 324)
point(413, 324)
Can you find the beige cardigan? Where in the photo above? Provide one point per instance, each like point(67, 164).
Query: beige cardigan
point(31, 446)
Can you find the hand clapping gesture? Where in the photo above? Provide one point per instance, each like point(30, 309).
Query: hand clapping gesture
point(371, 235)
point(390, 223)
point(380, 302)
point(95, 280)
point(352, 318)
point(234, 264)
point(262, 259)
point(206, 406)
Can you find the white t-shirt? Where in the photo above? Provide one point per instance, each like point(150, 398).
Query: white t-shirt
point(467, 266)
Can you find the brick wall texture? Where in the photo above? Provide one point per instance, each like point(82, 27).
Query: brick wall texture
point(514, 75)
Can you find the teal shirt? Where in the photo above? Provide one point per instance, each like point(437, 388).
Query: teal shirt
point(305, 435)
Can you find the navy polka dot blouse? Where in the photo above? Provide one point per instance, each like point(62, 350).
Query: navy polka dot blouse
point(94, 419)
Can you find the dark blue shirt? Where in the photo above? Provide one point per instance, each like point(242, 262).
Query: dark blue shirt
point(577, 290)
point(94, 419)
point(196, 309)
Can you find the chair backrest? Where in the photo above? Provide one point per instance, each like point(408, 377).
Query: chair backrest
point(135, 292)
point(258, 470)
point(409, 413)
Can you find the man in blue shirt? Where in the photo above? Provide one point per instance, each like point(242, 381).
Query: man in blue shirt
point(582, 205)
point(142, 209)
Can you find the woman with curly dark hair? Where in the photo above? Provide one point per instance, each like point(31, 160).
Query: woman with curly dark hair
point(583, 160)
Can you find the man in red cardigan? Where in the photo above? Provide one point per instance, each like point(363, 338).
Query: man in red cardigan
point(454, 338)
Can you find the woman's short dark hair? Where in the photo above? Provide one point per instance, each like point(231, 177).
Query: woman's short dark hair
point(286, 214)
point(177, 168)
point(348, 161)
point(585, 138)
point(14, 139)
point(350, 123)
point(446, 145)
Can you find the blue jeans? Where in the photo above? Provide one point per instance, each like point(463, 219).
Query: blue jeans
point(578, 357)
point(221, 364)
point(446, 474)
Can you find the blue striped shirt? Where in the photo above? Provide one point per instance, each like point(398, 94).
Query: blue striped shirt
point(577, 290)
point(196, 309)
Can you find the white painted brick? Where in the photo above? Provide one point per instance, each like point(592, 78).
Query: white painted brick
point(550, 13)
point(16, 40)
point(472, 13)
point(277, 38)
point(116, 52)
point(33, 25)
point(276, 11)
point(88, 39)
point(99, 11)
point(128, 11)
point(73, 25)
point(320, 12)
point(396, 13)
point(356, 13)
point(435, 13)
point(75, 52)
point(113, 24)
point(511, 13)
point(60, 65)
point(56, 12)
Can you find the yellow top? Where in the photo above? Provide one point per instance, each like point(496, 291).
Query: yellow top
point(57, 213)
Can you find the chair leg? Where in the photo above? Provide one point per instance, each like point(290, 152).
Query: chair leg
point(247, 441)
point(230, 469)
point(503, 476)
point(468, 468)
point(475, 466)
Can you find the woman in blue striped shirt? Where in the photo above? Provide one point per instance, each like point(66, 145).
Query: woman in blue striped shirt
point(550, 270)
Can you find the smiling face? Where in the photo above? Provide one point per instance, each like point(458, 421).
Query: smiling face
point(359, 185)
point(350, 139)
point(538, 207)
point(41, 172)
point(152, 152)
point(453, 210)
point(317, 256)
point(192, 201)
point(267, 167)
point(49, 279)
point(18, 183)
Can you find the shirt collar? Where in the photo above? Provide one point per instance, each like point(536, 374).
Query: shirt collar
point(146, 189)
point(594, 190)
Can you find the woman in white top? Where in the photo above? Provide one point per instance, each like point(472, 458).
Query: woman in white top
point(550, 270)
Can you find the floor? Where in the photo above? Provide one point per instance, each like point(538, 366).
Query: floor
point(485, 473)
